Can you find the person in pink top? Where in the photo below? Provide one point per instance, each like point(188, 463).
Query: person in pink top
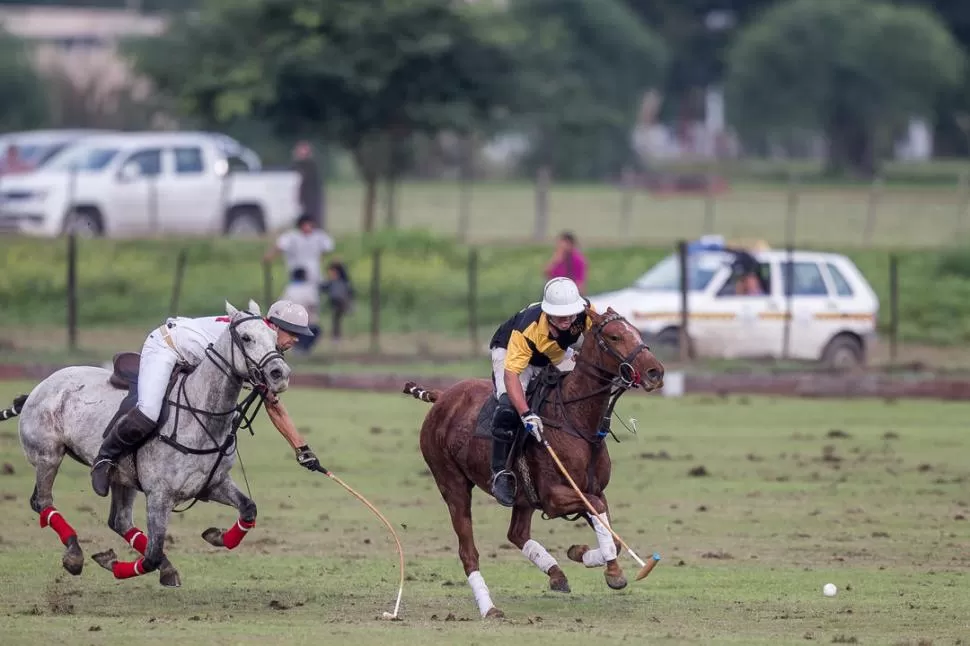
point(568, 262)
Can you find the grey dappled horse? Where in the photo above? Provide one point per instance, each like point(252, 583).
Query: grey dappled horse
point(68, 412)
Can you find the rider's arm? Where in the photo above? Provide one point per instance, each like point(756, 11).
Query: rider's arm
point(283, 423)
point(518, 354)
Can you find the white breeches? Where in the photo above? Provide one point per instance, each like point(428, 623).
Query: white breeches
point(498, 370)
point(154, 371)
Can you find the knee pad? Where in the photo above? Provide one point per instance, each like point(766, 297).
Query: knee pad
point(505, 421)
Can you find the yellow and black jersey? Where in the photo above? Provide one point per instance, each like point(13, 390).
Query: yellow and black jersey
point(526, 337)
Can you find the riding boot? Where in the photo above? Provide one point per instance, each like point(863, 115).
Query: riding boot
point(503, 480)
point(126, 435)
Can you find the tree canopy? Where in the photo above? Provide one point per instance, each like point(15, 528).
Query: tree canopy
point(855, 69)
point(23, 100)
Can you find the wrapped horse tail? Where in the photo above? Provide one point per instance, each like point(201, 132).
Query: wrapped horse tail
point(411, 388)
point(13, 411)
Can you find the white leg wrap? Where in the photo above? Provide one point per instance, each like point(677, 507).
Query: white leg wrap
point(607, 549)
point(482, 597)
point(538, 555)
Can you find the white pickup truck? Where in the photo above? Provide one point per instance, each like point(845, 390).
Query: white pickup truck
point(137, 184)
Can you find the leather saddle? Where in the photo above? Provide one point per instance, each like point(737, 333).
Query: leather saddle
point(124, 376)
point(536, 393)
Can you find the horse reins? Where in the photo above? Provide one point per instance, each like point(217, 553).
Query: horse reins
point(243, 417)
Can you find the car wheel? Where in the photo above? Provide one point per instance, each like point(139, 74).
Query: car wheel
point(245, 223)
point(844, 352)
point(84, 223)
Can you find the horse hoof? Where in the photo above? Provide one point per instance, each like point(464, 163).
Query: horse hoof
point(559, 585)
point(494, 613)
point(170, 579)
point(73, 560)
point(105, 559)
point(575, 552)
point(616, 582)
point(213, 536)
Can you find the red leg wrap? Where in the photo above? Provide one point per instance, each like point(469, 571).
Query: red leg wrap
point(137, 539)
point(233, 536)
point(128, 569)
point(52, 517)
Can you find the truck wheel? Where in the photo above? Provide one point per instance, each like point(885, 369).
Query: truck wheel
point(84, 223)
point(245, 222)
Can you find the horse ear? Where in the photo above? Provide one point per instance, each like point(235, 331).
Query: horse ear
point(254, 308)
point(230, 310)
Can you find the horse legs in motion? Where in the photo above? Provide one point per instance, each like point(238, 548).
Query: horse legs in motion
point(151, 547)
point(46, 459)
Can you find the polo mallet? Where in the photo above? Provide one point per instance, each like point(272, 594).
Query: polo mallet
point(645, 568)
point(400, 550)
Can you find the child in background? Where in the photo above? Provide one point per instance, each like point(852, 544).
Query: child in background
point(340, 294)
point(303, 292)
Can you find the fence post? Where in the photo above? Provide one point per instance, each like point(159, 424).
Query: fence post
point(173, 306)
point(465, 179)
point(684, 341)
point(789, 272)
point(875, 193)
point(375, 302)
point(473, 299)
point(710, 205)
point(72, 290)
point(964, 190)
point(543, 179)
point(267, 283)
point(626, 200)
point(792, 212)
point(893, 308)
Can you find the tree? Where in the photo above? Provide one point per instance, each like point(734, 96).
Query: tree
point(23, 100)
point(585, 67)
point(359, 72)
point(854, 69)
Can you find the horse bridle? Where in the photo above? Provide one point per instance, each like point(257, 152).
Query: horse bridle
point(255, 377)
point(627, 375)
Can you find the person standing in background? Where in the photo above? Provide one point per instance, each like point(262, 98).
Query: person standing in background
point(568, 262)
point(310, 194)
point(302, 248)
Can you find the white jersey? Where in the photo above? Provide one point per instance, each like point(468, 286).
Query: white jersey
point(303, 251)
point(192, 336)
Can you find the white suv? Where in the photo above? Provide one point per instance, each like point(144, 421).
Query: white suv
point(833, 308)
point(133, 184)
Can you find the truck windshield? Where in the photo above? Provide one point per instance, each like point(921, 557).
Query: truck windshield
point(83, 159)
point(665, 275)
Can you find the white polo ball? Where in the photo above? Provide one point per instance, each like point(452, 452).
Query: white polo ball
point(829, 590)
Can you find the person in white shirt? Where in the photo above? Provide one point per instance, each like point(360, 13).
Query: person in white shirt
point(302, 248)
point(303, 292)
point(184, 341)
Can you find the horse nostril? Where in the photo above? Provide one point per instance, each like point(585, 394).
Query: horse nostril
point(276, 374)
point(655, 375)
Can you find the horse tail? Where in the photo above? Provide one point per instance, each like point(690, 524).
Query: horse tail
point(13, 411)
point(416, 391)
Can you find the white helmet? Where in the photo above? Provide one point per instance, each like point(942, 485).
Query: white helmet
point(560, 297)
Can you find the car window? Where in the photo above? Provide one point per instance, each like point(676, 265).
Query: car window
point(735, 286)
point(149, 162)
point(842, 286)
point(806, 278)
point(665, 275)
point(237, 164)
point(188, 161)
point(83, 159)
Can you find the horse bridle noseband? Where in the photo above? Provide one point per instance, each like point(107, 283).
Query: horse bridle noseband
point(256, 377)
point(627, 376)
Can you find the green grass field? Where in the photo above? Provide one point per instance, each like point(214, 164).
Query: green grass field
point(838, 216)
point(867, 495)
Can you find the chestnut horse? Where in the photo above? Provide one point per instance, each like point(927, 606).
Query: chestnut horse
point(574, 407)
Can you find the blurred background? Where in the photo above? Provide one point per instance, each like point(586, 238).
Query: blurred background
point(153, 151)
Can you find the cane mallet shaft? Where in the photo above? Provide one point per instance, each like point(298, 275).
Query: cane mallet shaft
point(400, 550)
point(645, 568)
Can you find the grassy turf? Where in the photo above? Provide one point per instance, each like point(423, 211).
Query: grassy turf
point(867, 495)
